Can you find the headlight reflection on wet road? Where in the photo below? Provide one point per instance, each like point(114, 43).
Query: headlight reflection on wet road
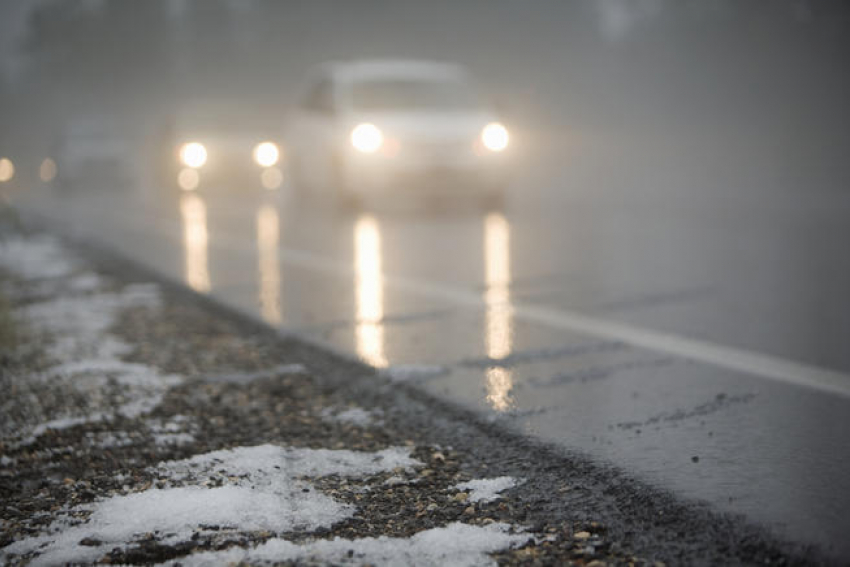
point(193, 213)
point(499, 314)
point(369, 286)
point(268, 239)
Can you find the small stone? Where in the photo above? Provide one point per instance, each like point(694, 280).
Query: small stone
point(581, 535)
point(694, 459)
point(438, 456)
point(470, 510)
point(460, 497)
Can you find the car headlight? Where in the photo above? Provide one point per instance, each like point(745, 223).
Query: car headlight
point(495, 137)
point(366, 138)
point(193, 154)
point(266, 154)
point(7, 169)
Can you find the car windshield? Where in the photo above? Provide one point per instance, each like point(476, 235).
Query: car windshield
point(410, 94)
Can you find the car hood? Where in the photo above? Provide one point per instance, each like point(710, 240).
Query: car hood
point(427, 125)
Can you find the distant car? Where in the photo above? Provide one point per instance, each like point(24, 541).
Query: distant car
point(221, 144)
point(395, 126)
point(90, 152)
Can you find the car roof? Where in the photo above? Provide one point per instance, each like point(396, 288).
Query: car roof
point(411, 69)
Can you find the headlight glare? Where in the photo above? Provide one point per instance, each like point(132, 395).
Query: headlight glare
point(7, 169)
point(193, 154)
point(495, 137)
point(367, 138)
point(266, 154)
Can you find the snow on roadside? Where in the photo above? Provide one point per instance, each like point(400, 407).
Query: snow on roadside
point(456, 544)
point(177, 430)
point(242, 490)
point(88, 357)
point(80, 324)
point(76, 319)
point(487, 489)
point(287, 461)
point(35, 257)
point(108, 439)
point(352, 416)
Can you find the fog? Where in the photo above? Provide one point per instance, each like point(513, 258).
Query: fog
point(709, 67)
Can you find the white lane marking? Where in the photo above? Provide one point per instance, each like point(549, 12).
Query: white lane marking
point(757, 364)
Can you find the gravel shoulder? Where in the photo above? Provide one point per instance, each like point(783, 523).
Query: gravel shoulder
point(145, 424)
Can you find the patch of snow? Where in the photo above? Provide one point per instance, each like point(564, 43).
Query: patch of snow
point(396, 480)
point(56, 425)
point(289, 461)
point(457, 544)
point(353, 416)
point(174, 423)
point(63, 423)
point(177, 430)
point(487, 489)
point(109, 439)
point(255, 488)
point(141, 405)
point(164, 439)
point(81, 323)
point(88, 357)
point(410, 372)
point(38, 257)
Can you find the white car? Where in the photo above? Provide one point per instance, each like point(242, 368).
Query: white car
point(394, 126)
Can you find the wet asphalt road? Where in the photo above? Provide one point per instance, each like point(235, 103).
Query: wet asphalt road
point(673, 305)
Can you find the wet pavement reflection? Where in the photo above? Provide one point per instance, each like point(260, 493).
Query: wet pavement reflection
point(369, 291)
point(193, 212)
point(269, 277)
point(497, 297)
